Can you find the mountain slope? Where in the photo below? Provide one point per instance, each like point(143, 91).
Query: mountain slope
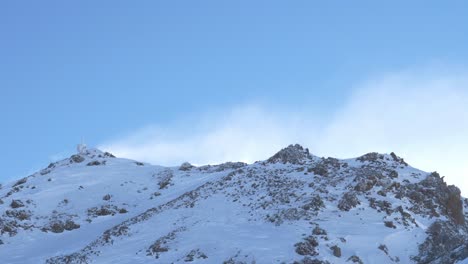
point(292, 208)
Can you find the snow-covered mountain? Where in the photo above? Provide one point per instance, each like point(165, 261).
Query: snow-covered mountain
point(292, 208)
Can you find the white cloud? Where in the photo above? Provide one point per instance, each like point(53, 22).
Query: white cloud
point(422, 116)
point(246, 133)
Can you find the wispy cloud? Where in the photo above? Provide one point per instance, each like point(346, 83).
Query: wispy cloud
point(247, 133)
point(422, 116)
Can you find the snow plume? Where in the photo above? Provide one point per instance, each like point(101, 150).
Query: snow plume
point(422, 116)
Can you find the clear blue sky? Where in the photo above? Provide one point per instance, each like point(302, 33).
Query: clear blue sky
point(100, 69)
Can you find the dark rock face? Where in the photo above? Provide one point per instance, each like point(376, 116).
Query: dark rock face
point(389, 224)
point(108, 155)
point(75, 258)
point(319, 169)
point(8, 227)
point(59, 226)
point(336, 251)
point(364, 184)
point(70, 225)
point(355, 259)
point(186, 166)
point(16, 204)
point(165, 178)
point(307, 247)
point(454, 205)
point(20, 215)
point(77, 158)
point(373, 156)
point(348, 201)
point(105, 210)
point(384, 249)
point(319, 231)
point(22, 181)
point(398, 159)
point(308, 260)
point(315, 203)
point(433, 197)
point(393, 174)
point(326, 166)
point(445, 244)
point(294, 154)
point(160, 245)
point(380, 206)
point(96, 163)
point(195, 254)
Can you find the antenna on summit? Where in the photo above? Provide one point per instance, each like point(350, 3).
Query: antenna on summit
point(81, 148)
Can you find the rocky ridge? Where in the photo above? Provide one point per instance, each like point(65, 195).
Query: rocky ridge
point(292, 208)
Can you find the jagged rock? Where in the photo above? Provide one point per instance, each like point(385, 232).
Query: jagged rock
point(373, 156)
point(186, 166)
point(319, 231)
point(384, 249)
point(16, 204)
point(381, 206)
point(454, 205)
point(398, 159)
point(294, 154)
point(368, 178)
point(307, 247)
point(70, 225)
point(315, 203)
point(96, 163)
point(195, 254)
point(108, 155)
point(355, 259)
point(336, 251)
point(444, 244)
point(22, 181)
point(9, 227)
point(291, 214)
point(393, 174)
point(389, 224)
point(74, 258)
point(319, 169)
point(105, 210)
point(364, 184)
point(433, 197)
point(308, 260)
point(160, 245)
point(229, 166)
point(165, 178)
point(21, 215)
point(77, 158)
point(107, 197)
point(59, 226)
point(348, 201)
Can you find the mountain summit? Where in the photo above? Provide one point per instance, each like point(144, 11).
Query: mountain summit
point(292, 208)
point(294, 154)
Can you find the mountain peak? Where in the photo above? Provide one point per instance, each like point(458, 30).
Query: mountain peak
point(325, 210)
point(377, 157)
point(294, 154)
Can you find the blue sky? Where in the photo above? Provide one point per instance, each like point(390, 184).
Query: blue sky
point(116, 72)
